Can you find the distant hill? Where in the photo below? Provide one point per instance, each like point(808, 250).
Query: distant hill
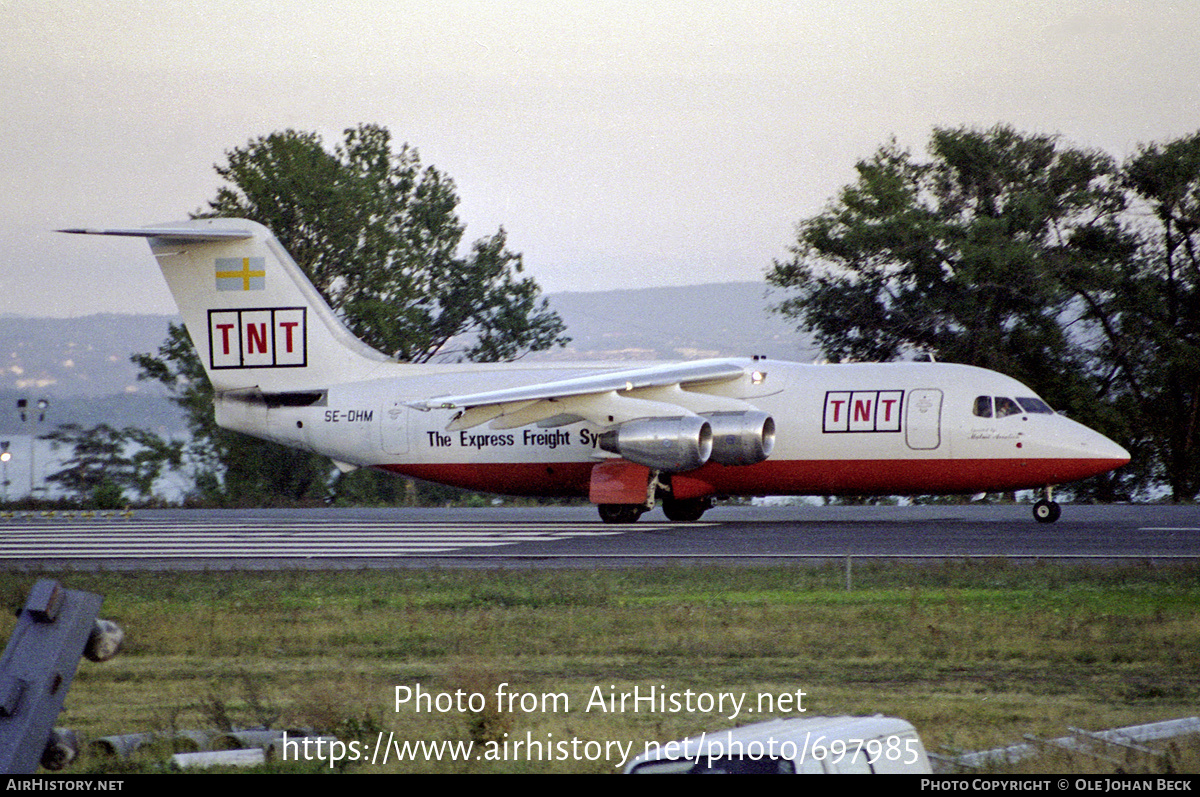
point(692, 322)
point(153, 412)
point(82, 365)
point(86, 356)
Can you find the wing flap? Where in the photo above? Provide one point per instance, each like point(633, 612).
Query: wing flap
point(601, 409)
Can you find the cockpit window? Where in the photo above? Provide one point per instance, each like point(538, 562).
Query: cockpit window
point(1003, 407)
point(1035, 405)
point(1006, 406)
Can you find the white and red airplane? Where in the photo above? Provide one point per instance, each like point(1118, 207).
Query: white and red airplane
point(284, 368)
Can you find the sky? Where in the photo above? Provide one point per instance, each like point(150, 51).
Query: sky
point(620, 144)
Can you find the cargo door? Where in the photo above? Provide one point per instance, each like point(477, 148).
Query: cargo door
point(923, 420)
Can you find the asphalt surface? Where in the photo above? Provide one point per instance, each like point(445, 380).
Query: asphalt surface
point(573, 537)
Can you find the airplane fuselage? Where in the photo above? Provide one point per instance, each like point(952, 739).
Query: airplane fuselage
point(900, 428)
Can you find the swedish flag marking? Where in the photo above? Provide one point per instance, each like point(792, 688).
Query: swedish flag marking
point(241, 273)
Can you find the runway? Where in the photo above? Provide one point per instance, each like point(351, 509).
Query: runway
point(331, 538)
point(134, 539)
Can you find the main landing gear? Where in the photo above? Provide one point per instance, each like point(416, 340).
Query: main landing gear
point(1046, 510)
point(684, 510)
point(621, 513)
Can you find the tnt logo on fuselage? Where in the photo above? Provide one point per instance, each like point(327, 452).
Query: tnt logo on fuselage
point(863, 411)
point(268, 337)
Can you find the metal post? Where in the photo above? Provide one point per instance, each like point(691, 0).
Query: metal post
point(5, 456)
point(53, 630)
point(31, 418)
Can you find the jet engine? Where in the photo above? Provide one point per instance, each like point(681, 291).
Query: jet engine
point(741, 438)
point(672, 445)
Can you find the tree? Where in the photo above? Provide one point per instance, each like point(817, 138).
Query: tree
point(1013, 252)
point(1150, 315)
point(106, 462)
point(975, 256)
point(378, 236)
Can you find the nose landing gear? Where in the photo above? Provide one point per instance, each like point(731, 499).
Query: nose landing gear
point(1046, 510)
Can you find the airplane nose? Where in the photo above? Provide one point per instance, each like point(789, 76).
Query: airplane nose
point(1090, 452)
point(1096, 446)
point(1101, 447)
point(1118, 453)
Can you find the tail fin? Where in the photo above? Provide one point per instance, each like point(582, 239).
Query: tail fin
point(255, 319)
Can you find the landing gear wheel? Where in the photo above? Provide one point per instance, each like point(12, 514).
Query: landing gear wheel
point(686, 510)
point(1046, 511)
point(620, 513)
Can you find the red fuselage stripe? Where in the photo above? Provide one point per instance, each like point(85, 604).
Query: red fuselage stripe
point(796, 477)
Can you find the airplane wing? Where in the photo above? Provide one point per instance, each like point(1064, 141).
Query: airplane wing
point(606, 399)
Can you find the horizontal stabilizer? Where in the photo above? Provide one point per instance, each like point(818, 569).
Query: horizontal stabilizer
point(169, 233)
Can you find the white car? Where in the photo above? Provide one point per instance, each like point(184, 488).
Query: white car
point(795, 746)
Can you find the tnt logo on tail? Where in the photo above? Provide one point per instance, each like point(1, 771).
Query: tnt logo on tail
point(269, 337)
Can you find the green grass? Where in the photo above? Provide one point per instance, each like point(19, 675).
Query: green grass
point(973, 654)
